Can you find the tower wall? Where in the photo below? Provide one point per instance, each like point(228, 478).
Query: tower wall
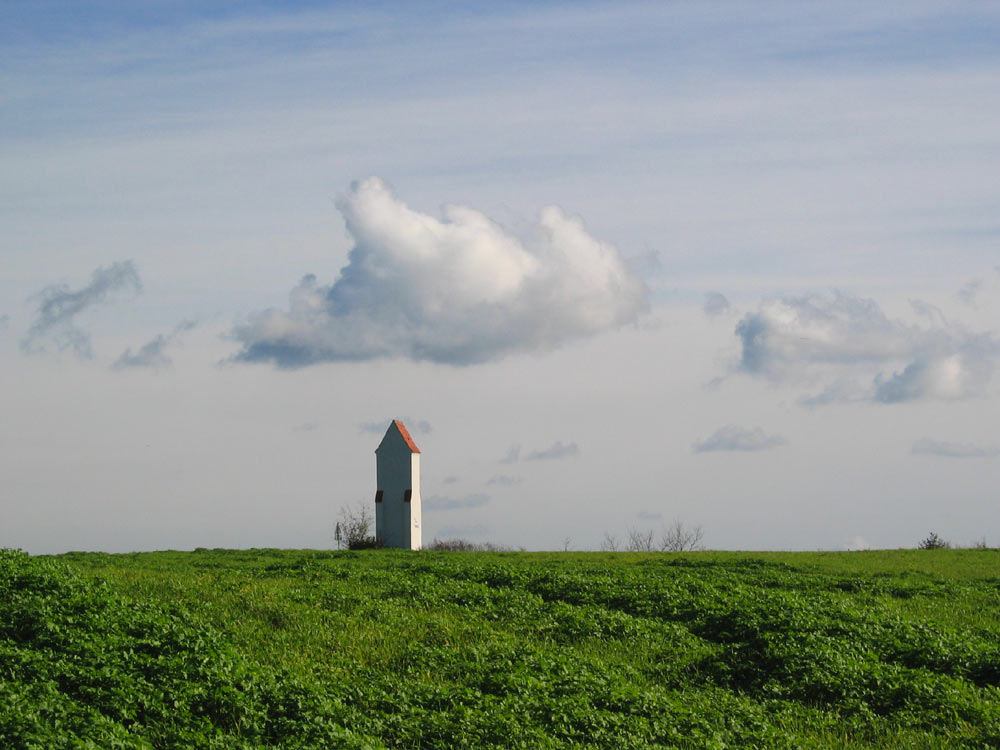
point(397, 514)
point(414, 519)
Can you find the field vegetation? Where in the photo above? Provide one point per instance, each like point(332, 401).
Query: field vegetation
point(388, 649)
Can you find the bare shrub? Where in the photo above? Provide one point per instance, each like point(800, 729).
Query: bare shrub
point(355, 529)
point(679, 538)
point(933, 541)
point(609, 543)
point(640, 541)
point(464, 545)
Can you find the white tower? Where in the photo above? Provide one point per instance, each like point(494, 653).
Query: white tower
point(397, 494)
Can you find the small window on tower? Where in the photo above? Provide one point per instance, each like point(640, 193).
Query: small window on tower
point(378, 496)
point(407, 495)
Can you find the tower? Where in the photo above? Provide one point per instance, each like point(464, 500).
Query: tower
point(397, 493)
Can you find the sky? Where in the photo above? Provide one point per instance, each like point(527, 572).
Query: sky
point(615, 265)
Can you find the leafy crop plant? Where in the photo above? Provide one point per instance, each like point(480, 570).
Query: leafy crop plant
point(396, 649)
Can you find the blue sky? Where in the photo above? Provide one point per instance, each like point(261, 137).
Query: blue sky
point(235, 235)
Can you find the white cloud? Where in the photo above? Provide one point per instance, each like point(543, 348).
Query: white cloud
point(970, 290)
point(504, 480)
point(513, 455)
point(556, 451)
point(928, 447)
point(734, 438)
point(645, 265)
point(58, 306)
point(441, 502)
point(715, 305)
point(933, 313)
point(459, 290)
point(856, 352)
point(151, 355)
point(945, 370)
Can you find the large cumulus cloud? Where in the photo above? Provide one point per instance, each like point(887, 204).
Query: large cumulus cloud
point(854, 351)
point(458, 290)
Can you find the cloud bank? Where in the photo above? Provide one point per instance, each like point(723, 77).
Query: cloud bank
point(733, 438)
point(58, 306)
point(928, 447)
point(459, 290)
point(857, 353)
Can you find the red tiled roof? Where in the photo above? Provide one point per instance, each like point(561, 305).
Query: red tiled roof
point(406, 436)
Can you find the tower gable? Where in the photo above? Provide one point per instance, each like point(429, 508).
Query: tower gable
point(397, 432)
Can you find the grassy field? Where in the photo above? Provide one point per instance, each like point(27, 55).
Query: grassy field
point(310, 649)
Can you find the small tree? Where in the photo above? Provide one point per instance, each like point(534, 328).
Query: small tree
point(679, 538)
point(933, 541)
point(609, 543)
point(354, 529)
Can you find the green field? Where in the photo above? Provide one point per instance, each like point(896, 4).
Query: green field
point(310, 649)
